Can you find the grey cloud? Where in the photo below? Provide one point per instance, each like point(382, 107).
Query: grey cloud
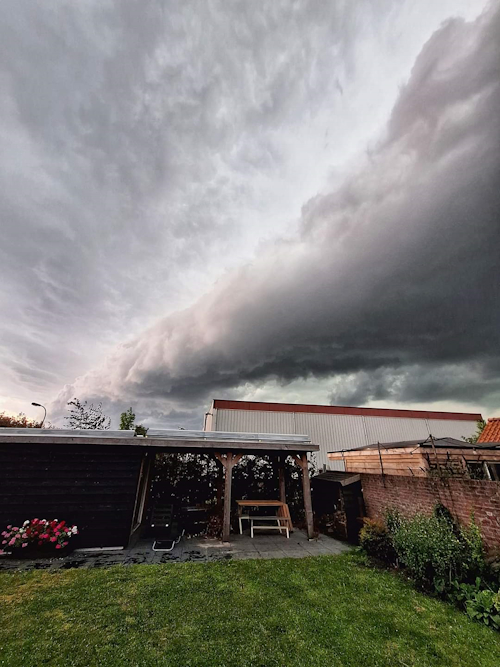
point(392, 282)
point(129, 130)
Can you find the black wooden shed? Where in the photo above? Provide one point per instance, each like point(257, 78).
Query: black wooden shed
point(99, 480)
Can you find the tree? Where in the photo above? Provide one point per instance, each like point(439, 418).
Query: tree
point(18, 421)
point(480, 426)
point(127, 420)
point(87, 416)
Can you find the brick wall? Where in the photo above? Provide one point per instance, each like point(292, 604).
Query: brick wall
point(420, 494)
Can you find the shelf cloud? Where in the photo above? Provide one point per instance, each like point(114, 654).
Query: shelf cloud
point(388, 286)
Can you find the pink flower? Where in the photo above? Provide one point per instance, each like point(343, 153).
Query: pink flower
point(24, 544)
point(12, 542)
point(9, 526)
point(53, 539)
point(65, 544)
point(58, 546)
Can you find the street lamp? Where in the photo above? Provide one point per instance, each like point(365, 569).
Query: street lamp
point(39, 405)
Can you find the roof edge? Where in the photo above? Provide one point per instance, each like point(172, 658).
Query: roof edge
point(228, 404)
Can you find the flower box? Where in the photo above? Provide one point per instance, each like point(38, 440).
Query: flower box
point(37, 538)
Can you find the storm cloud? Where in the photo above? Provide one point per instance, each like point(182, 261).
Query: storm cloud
point(281, 201)
point(391, 285)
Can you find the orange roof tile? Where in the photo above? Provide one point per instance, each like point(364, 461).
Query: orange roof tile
point(491, 431)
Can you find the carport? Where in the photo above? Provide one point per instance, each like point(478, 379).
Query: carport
point(99, 480)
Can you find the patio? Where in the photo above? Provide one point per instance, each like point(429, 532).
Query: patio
point(242, 547)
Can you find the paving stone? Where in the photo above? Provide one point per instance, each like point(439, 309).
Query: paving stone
point(269, 555)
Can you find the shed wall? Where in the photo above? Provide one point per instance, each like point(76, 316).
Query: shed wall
point(90, 486)
point(334, 432)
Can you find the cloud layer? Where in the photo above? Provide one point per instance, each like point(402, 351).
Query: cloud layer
point(390, 286)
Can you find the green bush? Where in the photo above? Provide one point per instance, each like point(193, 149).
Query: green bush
point(375, 539)
point(484, 606)
point(437, 551)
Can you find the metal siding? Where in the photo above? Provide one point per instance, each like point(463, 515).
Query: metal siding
point(443, 428)
point(394, 429)
point(250, 421)
point(333, 432)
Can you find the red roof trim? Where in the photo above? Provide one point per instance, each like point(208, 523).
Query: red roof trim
point(220, 404)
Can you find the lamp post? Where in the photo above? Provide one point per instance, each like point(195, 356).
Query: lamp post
point(39, 405)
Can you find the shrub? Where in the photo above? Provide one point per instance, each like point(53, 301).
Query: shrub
point(437, 551)
point(484, 606)
point(375, 540)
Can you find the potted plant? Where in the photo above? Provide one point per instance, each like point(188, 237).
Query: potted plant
point(37, 537)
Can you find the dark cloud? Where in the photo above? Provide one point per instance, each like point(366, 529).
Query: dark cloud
point(130, 133)
point(391, 286)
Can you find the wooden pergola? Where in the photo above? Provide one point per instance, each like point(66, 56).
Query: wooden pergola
point(227, 448)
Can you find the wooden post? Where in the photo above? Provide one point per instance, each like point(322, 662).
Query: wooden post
point(306, 489)
point(381, 464)
point(281, 476)
point(226, 521)
point(220, 486)
point(228, 460)
point(436, 456)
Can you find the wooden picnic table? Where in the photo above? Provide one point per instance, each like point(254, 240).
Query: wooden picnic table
point(283, 509)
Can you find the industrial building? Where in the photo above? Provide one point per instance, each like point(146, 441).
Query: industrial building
point(336, 428)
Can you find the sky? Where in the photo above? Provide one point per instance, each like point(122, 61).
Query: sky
point(288, 201)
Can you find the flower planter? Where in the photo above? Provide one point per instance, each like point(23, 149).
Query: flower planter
point(32, 552)
point(38, 538)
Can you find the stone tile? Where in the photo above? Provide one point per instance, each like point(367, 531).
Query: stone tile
point(247, 555)
point(268, 555)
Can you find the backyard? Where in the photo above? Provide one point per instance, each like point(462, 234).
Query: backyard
point(325, 610)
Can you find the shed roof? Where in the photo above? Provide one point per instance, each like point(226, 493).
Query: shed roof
point(337, 477)
point(446, 443)
point(222, 404)
point(164, 439)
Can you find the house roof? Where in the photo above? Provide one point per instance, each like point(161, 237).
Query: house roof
point(222, 404)
point(446, 443)
point(179, 440)
point(491, 432)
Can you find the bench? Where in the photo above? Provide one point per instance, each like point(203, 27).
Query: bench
point(278, 520)
point(273, 517)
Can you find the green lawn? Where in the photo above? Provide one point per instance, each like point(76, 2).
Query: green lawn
point(329, 610)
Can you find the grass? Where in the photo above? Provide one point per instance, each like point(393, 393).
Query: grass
point(324, 611)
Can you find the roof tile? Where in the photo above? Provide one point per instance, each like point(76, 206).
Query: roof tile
point(491, 432)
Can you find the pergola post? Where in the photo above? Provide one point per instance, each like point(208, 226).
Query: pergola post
point(301, 461)
point(281, 478)
point(228, 460)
